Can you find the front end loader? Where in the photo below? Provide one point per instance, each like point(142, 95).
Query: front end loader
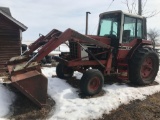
point(120, 47)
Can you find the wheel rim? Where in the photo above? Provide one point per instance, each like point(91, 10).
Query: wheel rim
point(146, 68)
point(94, 84)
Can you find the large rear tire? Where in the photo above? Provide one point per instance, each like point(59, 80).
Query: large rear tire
point(64, 71)
point(91, 82)
point(143, 66)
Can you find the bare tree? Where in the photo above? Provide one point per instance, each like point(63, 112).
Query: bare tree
point(132, 8)
point(154, 35)
point(131, 5)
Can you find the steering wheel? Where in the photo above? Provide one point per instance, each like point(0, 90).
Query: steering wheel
point(113, 33)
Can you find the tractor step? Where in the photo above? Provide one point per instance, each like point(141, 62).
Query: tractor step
point(123, 70)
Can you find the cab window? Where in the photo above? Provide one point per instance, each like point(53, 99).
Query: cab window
point(109, 25)
point(132, 29)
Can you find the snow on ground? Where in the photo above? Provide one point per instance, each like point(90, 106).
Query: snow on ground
point(6, 99)
point(70, 107)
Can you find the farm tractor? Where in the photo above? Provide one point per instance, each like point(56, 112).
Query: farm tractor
point(120, 48)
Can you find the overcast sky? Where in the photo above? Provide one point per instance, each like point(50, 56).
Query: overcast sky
point(41, 16)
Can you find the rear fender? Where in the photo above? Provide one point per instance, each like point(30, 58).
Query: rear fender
point(140, 43)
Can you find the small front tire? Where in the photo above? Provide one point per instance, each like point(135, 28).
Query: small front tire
point(63, 71)
point(91, 82)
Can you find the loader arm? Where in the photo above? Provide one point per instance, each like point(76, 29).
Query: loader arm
point(41, 41)
point(67, 35)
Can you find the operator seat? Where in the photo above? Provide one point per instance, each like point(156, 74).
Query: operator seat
point(126, 35)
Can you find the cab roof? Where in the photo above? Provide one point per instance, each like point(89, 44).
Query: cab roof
point(125, 13)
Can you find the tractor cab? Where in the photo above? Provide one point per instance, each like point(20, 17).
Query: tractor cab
point(123, 27)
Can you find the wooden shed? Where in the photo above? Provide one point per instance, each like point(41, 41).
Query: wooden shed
point(10, 36)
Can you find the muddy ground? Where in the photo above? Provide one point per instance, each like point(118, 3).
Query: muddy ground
point(149, 109)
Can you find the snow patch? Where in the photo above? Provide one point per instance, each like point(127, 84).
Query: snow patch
point(6, 99)
point(70, 107)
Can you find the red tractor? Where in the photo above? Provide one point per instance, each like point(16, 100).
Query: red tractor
point(120, 47)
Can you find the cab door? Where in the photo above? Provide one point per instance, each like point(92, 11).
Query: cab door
point(132, 30)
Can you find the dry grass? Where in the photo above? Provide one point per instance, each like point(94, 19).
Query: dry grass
point(148, 109)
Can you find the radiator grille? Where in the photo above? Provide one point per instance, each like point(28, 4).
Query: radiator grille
point(73, 50)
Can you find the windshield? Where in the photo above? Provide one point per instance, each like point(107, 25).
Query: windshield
point(110, 25)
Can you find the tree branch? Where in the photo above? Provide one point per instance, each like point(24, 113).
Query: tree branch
point(152, 14)
point(132, 8)
point(127, 4)
point(153, 34)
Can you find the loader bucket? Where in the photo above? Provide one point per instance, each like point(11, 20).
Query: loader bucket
point(31, 82)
